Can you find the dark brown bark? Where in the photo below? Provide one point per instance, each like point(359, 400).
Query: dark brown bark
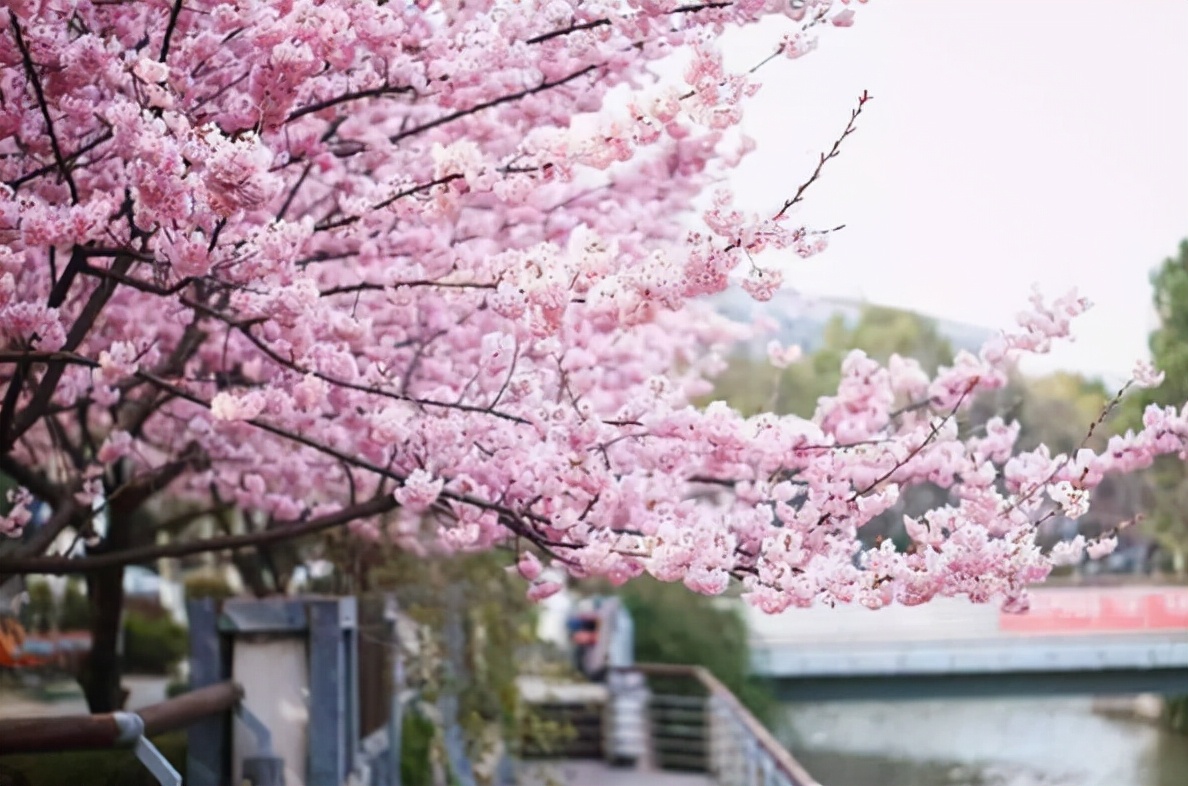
point(100, 674)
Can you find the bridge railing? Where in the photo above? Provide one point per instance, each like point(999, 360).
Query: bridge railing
point(133, 729)
point(696, 723)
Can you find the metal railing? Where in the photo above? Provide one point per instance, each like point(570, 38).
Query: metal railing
point(705, 728)
point(133, 729)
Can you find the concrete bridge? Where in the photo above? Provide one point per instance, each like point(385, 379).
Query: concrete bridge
point(1073, 641)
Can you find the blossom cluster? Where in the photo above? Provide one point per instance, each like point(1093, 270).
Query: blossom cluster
point(300, 256)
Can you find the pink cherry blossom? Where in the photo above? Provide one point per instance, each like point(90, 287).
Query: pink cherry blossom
point(781, 356)
point(420, 490)
point(529, 566)
point(539, 590)
point(1146, 376)
point(437, 273)
point(1101, 548)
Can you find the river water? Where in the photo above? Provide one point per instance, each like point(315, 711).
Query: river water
point(996, 742)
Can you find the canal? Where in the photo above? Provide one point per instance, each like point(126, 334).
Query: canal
point(996, 742)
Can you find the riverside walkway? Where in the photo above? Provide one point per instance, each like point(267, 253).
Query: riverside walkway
point(663, 725)
point(597, 773)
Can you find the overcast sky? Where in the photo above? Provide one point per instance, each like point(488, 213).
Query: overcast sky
point(1008, 143)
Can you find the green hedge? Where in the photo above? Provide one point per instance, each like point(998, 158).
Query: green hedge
point(1176, 713)
point(152, 646)
point(89, 768)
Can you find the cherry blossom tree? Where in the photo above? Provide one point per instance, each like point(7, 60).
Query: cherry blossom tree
point(419, 270)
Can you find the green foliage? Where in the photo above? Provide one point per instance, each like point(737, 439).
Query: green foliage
point(496, 620)
point(882, 332)
point(1167, 481)
point(753, 385)
point(42, 613)
point(207, 586)
point(1057, 410)
point(674, 625)
point(75, 610)
point(175, 688)
point(152, 646)
point(92, 768)
point(1175, 713)
point(416, 748)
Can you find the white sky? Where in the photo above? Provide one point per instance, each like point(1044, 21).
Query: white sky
point(1008, 143)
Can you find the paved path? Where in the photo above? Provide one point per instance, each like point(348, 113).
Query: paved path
point(143, 691)
point(595, 773)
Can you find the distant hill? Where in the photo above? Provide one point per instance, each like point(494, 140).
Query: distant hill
point(801, 319)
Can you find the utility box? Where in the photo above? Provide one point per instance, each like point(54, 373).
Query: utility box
point(297, 660)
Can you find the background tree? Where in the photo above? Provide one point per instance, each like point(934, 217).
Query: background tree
point(753, 385)
point(1167, 481)
point(673, 625)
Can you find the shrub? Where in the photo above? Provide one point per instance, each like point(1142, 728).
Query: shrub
point(152, 646)
point(75, 610)
point(207, 586)
point(416, 743)
point(40, 612)
point(93, 768)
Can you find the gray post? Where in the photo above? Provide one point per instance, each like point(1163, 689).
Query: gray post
point(334, 723)
point(455, 673)
point(396, 718)
point(208, 756)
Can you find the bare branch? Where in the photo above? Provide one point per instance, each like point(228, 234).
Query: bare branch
point(833, 153)
point(284, 531)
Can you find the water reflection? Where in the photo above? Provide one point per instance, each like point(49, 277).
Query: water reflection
point(1001, 742)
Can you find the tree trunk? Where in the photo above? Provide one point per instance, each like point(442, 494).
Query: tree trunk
point(100, 677)
point(100, 674)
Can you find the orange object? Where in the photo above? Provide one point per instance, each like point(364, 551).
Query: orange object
point(12, 641)
point(585, 637)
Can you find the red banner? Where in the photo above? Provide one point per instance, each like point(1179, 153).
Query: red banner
point(1101, 610)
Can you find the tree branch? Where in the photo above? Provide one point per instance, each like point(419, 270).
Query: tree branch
point(39, 485)
point(546, 85)
point(44, 170)
point(31, 72)
point(286, 531)
point(833, 153)
point(374, 92)
point(596, 23)
point(55, 369)
point(43, 356)
point(139, 489)
point(173, 15)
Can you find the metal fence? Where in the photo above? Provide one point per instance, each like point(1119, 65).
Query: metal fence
point(695, 723)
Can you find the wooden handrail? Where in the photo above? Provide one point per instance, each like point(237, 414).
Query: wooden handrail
point(780, 756)
point(115, 729)
point(181, 711)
